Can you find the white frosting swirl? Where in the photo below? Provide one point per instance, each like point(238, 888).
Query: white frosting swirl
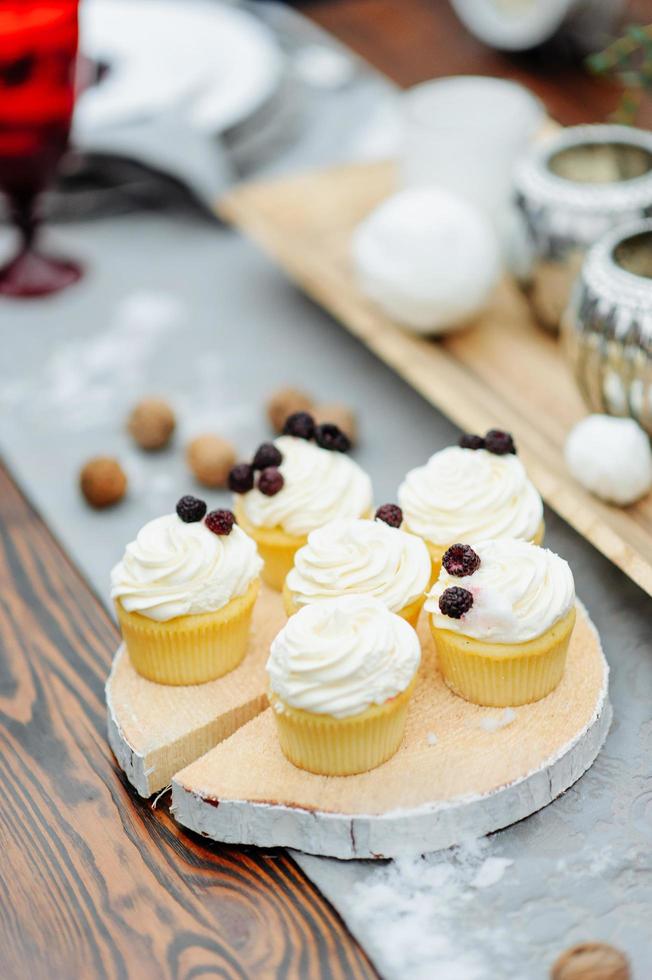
point(176, 569)
point(341, 656)
point(470, 495)
point(319, 485)
point(519, 591)
point(367, 557)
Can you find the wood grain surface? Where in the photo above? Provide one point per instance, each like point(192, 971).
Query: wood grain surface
point(94, 882)
point(503, 371)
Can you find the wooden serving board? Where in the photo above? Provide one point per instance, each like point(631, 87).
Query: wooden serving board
point(217, 743)
point(157, 729)
point(472, 781)
point(503, 372)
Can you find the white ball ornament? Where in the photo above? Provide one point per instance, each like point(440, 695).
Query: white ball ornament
point(427, 258)
point(611, 458)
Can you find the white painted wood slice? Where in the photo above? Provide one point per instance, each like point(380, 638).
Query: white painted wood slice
point(157, 729)
point(452, 778)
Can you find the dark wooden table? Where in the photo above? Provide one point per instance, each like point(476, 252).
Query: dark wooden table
point(95, 882)
point(413, 40)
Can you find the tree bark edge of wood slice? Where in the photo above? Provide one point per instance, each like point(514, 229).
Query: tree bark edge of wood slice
point(480, 772)
point(156, 729)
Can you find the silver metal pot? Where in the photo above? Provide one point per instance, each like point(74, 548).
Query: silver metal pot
point(607, 327)
point(569, 191)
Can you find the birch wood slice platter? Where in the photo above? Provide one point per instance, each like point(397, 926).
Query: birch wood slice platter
point(157, 729)
point(455, 776)
point(504, 371)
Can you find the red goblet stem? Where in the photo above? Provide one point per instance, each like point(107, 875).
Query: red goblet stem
point(38, 47)
point(25, 220)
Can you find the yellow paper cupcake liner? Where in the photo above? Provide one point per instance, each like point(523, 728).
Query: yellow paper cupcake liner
point(189, 649)
point(538, 537)
point(500, 675)
point(437, 550)
point(276, 547)
point(332, 746)
point(410, 612)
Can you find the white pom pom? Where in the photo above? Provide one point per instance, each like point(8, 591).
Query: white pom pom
point(427, 258)
point(611, 457)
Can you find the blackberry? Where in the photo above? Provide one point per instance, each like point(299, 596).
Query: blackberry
point(270, 481)
point(299, 424)
point(241, 478)
point(220, 521)
point(329, 436)
point(190, 509)
point(454, 602)
point(461, 560)
point(391, 514)
point(500, 443)
point(267, 455)
point(470, 441)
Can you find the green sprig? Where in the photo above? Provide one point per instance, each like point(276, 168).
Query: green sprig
point(629, 60)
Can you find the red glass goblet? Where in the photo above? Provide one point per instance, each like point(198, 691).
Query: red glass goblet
point(38, 49)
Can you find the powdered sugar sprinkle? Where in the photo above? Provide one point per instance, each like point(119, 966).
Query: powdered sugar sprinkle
point(413, 903)
point(491, 723)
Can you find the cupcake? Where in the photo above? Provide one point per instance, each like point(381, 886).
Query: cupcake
point(471, 492)
point(502, 613)
point(184, 593)
point(341, 673)
point(352, 555)
point(295, 484)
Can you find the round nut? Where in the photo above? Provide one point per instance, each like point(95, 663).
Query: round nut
point(102, 481)
point(591, 961)
point(341, 415)
point(210, 458)
point(284, 402)
point(151, 423)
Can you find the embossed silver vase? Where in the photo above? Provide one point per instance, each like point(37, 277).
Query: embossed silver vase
point(607, 326)
point(569, 191)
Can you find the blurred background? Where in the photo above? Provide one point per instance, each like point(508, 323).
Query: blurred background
point(125, 123)
point(176, 100)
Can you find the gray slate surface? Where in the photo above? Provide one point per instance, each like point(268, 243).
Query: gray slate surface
point(195, 313)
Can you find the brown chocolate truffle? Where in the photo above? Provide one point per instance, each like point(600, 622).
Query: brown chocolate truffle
point(340, 415)
point(591, 961)
point(284, 402)
point(210, 458)
point(102, 481)
point(151, 423)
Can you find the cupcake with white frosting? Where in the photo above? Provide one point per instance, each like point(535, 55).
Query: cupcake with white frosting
point(296, 484)
point(354, 556)
point(471, 492)
point(184, 593)
point(502, 613)
point(341, 673)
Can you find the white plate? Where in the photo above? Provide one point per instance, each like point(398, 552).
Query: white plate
point(215, 63)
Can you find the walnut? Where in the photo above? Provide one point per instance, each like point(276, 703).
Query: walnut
point(591, 961)
point(102, 481)
point(151, 423)
point(285, 402)
point(210, 458)
point(343, 417)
